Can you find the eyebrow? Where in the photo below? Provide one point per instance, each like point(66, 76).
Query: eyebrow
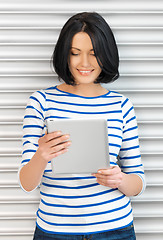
point(80, 50)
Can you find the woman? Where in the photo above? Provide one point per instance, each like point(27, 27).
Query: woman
point(83, 206)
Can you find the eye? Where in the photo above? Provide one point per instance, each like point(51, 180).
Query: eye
point(92, 53)
point(74, 54)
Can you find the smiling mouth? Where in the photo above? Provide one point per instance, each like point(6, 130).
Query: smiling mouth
point(85, 72)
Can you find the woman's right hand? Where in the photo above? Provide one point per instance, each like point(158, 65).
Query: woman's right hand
point(53, 144)
point(50, 146)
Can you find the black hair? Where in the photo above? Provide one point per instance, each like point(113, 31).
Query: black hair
point(103, 42)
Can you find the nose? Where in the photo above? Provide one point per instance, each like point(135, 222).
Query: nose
point(85, 61)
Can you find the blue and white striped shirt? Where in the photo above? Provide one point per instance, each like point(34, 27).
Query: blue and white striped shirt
point(77, 204)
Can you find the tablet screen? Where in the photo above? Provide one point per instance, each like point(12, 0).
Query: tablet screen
point(89, 150)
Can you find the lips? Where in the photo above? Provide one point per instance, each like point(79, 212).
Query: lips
point(85, 72)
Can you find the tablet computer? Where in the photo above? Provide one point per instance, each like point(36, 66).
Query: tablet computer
point(89, 149)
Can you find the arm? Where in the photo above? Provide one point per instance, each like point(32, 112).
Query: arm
point(38, 148)
point(128, 177)
point(50, 146)
point(128, 184)
point(131, 184)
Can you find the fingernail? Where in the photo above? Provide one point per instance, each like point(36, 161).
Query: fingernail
point(68, 143)
point(59, 133)
point(67, 136)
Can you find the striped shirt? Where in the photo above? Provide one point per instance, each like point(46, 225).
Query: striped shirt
point(76, 203)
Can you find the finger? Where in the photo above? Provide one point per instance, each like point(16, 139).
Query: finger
point(116, 174)
point(101, 177)
point(62, 151)
point(102, 173)
point(109, 171)
point(52, 135)
point(59, 140)
point(102, 183)
point(48, 137)
point(110, 183)
point(104, 178)
point(61, 146)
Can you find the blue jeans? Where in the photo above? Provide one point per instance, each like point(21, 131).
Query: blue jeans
point(127, 233)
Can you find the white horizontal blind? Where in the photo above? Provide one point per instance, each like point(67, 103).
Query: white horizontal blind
point(28, 33)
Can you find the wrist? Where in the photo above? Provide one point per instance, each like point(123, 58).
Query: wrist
point(131, 184)
point(123, 181)
point(41, 158)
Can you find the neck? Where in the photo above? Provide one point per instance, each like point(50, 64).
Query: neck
point(86, 90)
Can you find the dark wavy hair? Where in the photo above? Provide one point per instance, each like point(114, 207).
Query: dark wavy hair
point(103, 43)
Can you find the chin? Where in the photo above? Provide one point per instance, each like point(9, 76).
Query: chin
point(85, 82)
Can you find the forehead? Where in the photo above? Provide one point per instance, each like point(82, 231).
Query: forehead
point(82, 41)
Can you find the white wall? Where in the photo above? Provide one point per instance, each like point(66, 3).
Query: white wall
point(28, 32)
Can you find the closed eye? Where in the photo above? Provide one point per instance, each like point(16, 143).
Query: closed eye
point(74, 54)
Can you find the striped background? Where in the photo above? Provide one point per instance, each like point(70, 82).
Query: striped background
point(28, 32)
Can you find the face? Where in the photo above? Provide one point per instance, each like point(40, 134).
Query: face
point(83, 64)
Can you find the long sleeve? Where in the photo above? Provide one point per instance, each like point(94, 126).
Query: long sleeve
point(33, 126)
point(129, 155)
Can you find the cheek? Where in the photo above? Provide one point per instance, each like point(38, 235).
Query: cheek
point(97, 66)
point(99, 70)
point(72, 67)
point(73, 63)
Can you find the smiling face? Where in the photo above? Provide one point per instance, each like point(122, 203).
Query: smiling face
point(83, 64)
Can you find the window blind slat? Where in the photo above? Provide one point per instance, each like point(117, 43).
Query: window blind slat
point(28, 33)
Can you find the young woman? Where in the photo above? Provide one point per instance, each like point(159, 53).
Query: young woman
point(83, 206)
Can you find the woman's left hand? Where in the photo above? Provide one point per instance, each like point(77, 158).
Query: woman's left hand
point(111, 177)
